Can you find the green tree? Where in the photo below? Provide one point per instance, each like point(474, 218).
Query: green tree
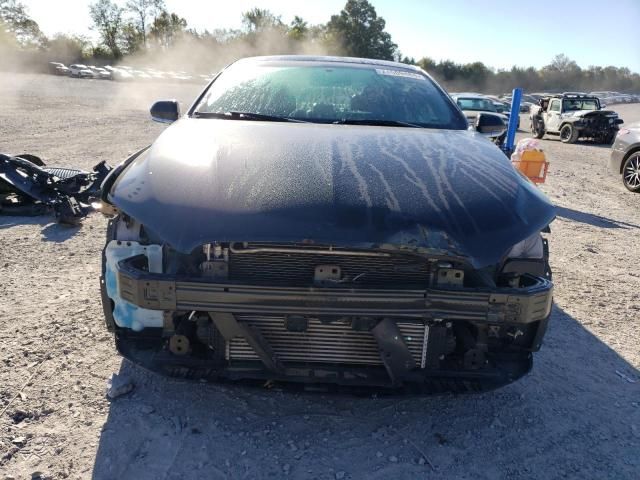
point(476, 74)
point(360, 32)
point(68, 48)
point(259, 19)
point(562, 74)
point(167, 28)
point(144, 10)
point(299, 29)
point(107, 19)
point(562, 63)
point(428, 65)
point(101, 53)
point(17, 24)
point(132, 38)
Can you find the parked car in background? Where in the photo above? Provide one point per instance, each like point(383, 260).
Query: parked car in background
point(472, 104)
point(78, 70)
point(505, 109)
point(155, 74)
point(625, 156)
point(612, 98)
point(572, 116)
point(101, 73)
point(140, 75)
point(58, 68)
point(524, 104)
point(501, 107)
point(121, 74)
point(376, 241)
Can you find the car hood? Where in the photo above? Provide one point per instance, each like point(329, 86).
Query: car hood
point(206, 180)
point(591, 113)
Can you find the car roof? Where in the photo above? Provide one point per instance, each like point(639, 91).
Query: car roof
point(471, 96)
point(573, 95)
point(330, 60)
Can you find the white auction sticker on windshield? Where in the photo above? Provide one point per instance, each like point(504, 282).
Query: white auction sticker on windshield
point(399, 73)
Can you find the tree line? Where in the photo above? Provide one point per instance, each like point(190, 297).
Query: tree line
point(145, 32)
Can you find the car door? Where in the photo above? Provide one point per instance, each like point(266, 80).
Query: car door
point(552, 122)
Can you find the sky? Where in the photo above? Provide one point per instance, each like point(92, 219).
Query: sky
point(499, 33)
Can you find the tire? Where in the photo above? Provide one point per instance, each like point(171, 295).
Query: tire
point(631, 173)
point(568, 134)
point(536, 133)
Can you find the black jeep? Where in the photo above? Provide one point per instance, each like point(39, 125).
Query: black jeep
point(573, 116)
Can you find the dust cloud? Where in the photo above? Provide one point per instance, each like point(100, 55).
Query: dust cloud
point(207, 55)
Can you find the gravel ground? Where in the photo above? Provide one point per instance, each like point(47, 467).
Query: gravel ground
point(577, 415)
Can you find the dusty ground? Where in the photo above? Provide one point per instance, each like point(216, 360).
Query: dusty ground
point(577, 415)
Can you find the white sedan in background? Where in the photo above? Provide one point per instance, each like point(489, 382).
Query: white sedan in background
point(80, 71)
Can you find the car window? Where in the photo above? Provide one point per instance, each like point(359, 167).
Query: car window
point(501, 107)
point(569, 105)
point(478, 104)
point(326, 93)
point(554, 106)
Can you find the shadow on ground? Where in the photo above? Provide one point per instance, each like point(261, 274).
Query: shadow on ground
point(10, 221)
point(592, 219)
point(571, 417)
point(56, 232)
point(51, 230)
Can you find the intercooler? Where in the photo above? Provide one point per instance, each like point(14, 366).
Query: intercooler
point(323, 342)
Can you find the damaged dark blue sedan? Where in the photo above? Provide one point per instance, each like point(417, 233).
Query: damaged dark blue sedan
point(329, 221)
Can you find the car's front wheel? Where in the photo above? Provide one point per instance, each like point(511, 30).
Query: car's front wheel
point(569, 134)
point(631, 173)
point(536, 130)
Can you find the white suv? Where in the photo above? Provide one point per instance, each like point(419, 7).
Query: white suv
point(78, 70)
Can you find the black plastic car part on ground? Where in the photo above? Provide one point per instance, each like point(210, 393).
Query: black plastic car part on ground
point(331, 253)
point(28, 187)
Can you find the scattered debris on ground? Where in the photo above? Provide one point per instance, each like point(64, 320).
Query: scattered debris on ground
point(28, 187)
point(118, 385)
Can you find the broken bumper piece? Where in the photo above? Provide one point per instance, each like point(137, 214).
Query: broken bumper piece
point(427, 340)
point(28, 187)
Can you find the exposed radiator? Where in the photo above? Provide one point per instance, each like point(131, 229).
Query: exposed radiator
point(295, 268)
point(322, 342)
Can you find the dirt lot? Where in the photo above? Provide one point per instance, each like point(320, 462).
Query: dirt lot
point(577, 415)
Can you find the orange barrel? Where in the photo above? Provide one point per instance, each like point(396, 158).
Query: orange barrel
point(533, 164)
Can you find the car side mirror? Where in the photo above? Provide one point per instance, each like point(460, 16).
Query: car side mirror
point(490, 125)
point(602, 105)
point(165, 111)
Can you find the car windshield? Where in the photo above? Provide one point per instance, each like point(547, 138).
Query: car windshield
point(478, 104)
point(579, 104)
point(330, 93)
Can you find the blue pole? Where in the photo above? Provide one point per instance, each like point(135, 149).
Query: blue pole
point(513, 120)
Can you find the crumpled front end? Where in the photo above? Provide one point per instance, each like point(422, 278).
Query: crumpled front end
point(599, 125)
point(360, 255)
point(322, 314)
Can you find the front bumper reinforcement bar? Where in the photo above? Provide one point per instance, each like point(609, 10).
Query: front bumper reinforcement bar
point(498, 305)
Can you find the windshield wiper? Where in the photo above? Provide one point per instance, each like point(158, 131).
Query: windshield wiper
point(382, 123)
point(246, 116)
